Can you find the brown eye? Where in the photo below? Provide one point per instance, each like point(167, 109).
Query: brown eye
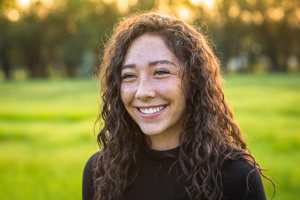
point(161, 72)
point(127, 76)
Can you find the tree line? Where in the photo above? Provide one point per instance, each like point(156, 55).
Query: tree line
point(64, 38)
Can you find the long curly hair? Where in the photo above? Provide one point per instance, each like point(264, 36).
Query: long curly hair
point(210, 135)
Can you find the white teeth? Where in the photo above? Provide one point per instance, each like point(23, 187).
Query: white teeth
point(151, 110)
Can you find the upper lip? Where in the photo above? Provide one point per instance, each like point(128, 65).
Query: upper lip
point(151, 106)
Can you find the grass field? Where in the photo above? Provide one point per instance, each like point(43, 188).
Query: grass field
point(46, 133)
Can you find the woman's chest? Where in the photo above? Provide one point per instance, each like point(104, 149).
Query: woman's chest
point(157, 181)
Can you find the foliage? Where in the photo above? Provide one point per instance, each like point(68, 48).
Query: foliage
point(52, 39)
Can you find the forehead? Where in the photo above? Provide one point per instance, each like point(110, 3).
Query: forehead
point(148, 48)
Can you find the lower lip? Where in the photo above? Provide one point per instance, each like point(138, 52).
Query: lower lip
point(150, 116)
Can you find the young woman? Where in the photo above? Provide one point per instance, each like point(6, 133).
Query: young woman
point(167, 132)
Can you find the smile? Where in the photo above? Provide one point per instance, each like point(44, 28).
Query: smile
point(151, 110)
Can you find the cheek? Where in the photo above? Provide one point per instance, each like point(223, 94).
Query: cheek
point(171, 88)
point(127, 94)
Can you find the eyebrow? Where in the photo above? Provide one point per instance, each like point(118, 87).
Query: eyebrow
point(153, 63)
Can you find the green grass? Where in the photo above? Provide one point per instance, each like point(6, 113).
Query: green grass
point(46, 136)
point(267, 108)
point(46, 133)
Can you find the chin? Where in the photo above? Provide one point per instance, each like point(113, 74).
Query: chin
point(151, 132)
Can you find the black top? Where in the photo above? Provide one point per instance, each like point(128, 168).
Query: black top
point(157, 179)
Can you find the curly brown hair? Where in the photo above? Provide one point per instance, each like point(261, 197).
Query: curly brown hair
point(210, 135)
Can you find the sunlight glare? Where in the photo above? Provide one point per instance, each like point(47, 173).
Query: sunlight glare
point(257, 18)
point(24, 3)
point(251, 2)
point(184, 13)
point(42, 12)
point(132, 2)
point(206, 3)
point(275, 14)
point(209, 3)
point(122, 6)
point(297, 13)
point(246, 16)
point(47, 3)
point(196, 2)
point(234, 11)
point(13, 15)
point(164, 7)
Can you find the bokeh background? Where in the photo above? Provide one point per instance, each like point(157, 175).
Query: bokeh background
point(49, 97)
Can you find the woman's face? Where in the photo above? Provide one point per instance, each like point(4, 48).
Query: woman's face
point(151, 90)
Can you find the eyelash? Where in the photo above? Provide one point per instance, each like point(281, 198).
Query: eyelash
point(157, 72)
point(163, 71)
point(125, 76)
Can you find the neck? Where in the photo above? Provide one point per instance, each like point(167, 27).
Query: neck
point(162, 144)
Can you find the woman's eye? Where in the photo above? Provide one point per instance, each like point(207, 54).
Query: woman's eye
point(127, 76)
point(161, 72)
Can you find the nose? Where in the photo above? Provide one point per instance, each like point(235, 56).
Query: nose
point(145, 89)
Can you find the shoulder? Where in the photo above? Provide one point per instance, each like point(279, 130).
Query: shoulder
point(87, 180)
point(91, 161)
point(241, 180)
point(239, 167)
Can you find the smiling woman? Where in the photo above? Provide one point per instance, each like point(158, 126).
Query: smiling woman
point(151, 91)
point(168, 131)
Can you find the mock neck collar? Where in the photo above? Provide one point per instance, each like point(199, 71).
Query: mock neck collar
point(159, 157)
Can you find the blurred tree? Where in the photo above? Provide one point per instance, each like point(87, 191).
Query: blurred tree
point(5, 36)
point(5, 44)
point(31, 40)
point(272, 25)
point(53, 38)
point(273, 30)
